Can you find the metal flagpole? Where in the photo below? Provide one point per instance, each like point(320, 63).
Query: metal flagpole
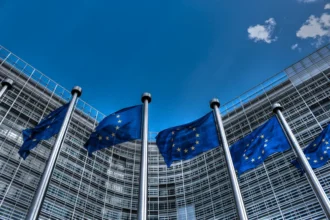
point(40, 193)
point(322, 197)
point(215, 104)
point(6, 84)
point(143, 188)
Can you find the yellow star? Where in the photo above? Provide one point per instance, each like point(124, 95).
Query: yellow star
point(48, 126)
point(197, 142)
point(186, 150)
point(119, 121)
point(314, 145)
point(173, 145)
point(308, 158)
point(262, 136)
point(100, 137)
point(323, 140)
point(197, 135)
point(113, 134)
point(178, 149)
point(266, 140)
point(117, 127)
point(34, 140)
point(327, 142)
point(107, 138)
point(246, 158)
point(118, 116)
point(315, 161)
point(192, 148)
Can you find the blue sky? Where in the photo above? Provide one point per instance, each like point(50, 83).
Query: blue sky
point(184, 52)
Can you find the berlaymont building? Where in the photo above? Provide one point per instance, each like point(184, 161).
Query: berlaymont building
point(106, 186)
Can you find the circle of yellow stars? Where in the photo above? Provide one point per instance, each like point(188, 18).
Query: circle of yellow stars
point(324, 152)
point(262, 152)
point(49, 117)
point(186, 150)
point(113, 134)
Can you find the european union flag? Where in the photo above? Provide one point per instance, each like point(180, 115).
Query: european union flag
point(47, 128)
point(317, 152)
point(253, 149)
point(187, 141)
point(121, 126)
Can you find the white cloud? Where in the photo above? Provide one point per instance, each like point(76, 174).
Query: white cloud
point(263, 32)
point(325, 20)
point(327, 6)
point(293, 47)
point(296, 47)
point(317, 28)
point(312, 28)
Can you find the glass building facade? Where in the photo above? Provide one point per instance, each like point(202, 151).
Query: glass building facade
point(106, 186)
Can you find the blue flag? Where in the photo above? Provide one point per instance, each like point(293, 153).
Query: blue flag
point(121, 126)
point(187, 141)
point(47, 128)
point(253, 149)
point(317, 152)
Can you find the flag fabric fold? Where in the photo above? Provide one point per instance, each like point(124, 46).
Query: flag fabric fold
point(187, 141)
point(121, 126)
point(253, 149)
point(47, 128)
point(318, 151)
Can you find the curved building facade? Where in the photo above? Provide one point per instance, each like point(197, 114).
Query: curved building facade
point(106, 186)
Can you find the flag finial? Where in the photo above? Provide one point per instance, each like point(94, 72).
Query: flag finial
point(77, 89)
point(145, 96)
point(8, 82)
point(277, 106)
point(214, 102)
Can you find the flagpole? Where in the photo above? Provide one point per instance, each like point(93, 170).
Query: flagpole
point(6, 85)
point(40, 193)
point(143, 182)
point(215, 104)
point(317, 187)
